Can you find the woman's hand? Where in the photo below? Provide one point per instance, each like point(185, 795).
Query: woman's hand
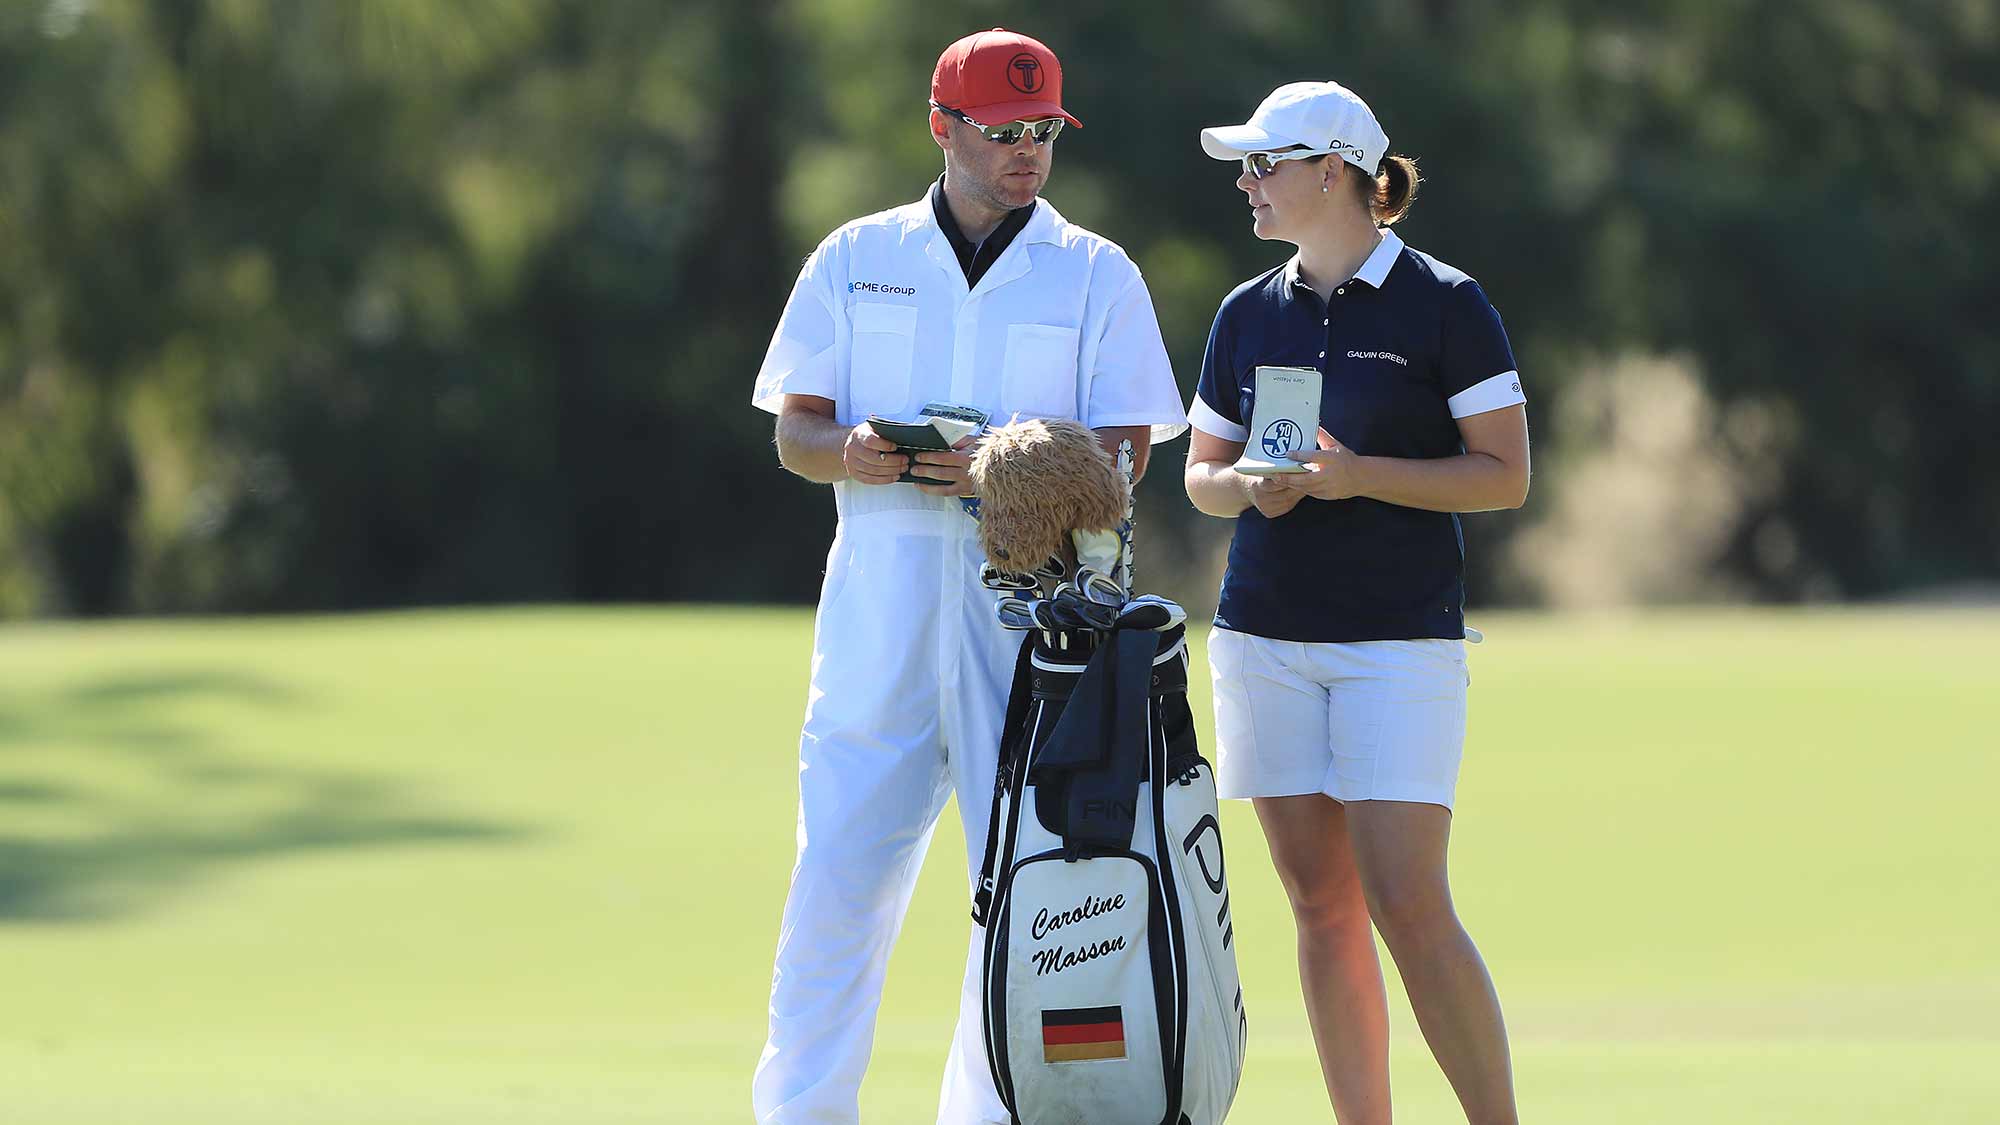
point(1274, 496)
point(1332, 471)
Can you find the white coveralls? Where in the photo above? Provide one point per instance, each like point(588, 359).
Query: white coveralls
point(910, 667)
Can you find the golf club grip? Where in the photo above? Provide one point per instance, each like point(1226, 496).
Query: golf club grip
point(1128, 464)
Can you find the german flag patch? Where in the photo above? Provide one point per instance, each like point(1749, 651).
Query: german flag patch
point(1078, 1034)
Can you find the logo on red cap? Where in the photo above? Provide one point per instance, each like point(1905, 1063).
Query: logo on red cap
point(1024, 72)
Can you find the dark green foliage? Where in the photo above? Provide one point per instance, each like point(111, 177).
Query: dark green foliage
point(309, 304)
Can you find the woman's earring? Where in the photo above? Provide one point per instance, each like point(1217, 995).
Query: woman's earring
point(1323, 189)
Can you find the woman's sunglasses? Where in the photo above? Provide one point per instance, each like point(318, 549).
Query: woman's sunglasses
point(1044, 131)
point(1261, 164)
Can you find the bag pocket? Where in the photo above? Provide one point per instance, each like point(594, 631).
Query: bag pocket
point(1217, 1026)
point(1038, 376)
point(1073, 977)
point(884, 351)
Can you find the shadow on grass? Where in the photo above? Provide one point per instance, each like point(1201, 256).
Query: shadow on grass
point(108, 806)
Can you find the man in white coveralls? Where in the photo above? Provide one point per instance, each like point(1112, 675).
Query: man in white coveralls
point(978, 294)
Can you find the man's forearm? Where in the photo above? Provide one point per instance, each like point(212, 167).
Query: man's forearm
point(1141, 438)
point(811, 446)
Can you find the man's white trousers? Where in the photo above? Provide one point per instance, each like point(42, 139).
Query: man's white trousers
point(910, 674)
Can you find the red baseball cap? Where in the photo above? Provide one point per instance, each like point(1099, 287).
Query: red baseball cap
point(998, 76)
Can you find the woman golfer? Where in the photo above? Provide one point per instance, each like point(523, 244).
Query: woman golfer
point(1338, 649)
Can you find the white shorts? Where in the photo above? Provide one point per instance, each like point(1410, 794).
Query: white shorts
point(1360, 721)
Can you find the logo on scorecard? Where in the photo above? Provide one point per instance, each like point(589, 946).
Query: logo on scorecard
point(1281, 437)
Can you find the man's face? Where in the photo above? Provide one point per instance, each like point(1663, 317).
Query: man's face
point(1003, 177)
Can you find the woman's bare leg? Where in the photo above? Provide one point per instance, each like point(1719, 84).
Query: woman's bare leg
point(1338, 969)
point(1399, 851)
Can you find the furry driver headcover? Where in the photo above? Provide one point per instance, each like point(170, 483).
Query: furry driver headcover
point(1037, 481)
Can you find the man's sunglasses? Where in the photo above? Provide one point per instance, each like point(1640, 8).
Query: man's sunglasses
point(1261, 164)
point(1044, 131)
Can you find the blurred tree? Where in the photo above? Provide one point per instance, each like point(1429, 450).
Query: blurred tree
point(378, 302)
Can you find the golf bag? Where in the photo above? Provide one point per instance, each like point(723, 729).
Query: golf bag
point(1110, 988)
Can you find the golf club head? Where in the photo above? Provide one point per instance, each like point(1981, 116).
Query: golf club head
point(993, 578)
point(1053, 569)
point(1019, 612)
point(1151, 611)
point(1099, 587)
point(1061, 616)
point(1074, 611)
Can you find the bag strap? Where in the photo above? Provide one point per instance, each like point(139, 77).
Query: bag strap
point(1019, 698)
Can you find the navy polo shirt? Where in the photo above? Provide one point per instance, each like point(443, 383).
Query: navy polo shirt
point(1404, 349)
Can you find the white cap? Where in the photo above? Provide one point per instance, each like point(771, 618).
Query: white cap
point(1318, 115)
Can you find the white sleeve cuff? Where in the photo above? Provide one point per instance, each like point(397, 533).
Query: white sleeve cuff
point(1500, 391)
point(1205, 419)
point(787, 374)
point(1159, 433)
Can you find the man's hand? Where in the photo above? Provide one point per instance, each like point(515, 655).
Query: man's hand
point(871, 458)
point(953, 467)
point(1333, 470)
point(1274, 496)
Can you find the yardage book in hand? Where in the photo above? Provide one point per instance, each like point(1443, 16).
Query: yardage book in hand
point(1284, 416)
point(938, 426)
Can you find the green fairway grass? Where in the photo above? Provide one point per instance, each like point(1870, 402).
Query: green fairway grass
point(527, 866)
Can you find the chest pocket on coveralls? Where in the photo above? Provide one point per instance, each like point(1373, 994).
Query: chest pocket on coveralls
point(1038, 377)
point(885, 345)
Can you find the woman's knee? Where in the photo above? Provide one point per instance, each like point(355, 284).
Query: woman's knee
point(1326, 901)
point(1411, 914)
point(1400, 860)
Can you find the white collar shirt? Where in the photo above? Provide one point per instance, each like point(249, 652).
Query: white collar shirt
point(881, 321)
point(1374, 269)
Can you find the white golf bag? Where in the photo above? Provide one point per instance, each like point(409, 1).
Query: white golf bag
point(1111, 994)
